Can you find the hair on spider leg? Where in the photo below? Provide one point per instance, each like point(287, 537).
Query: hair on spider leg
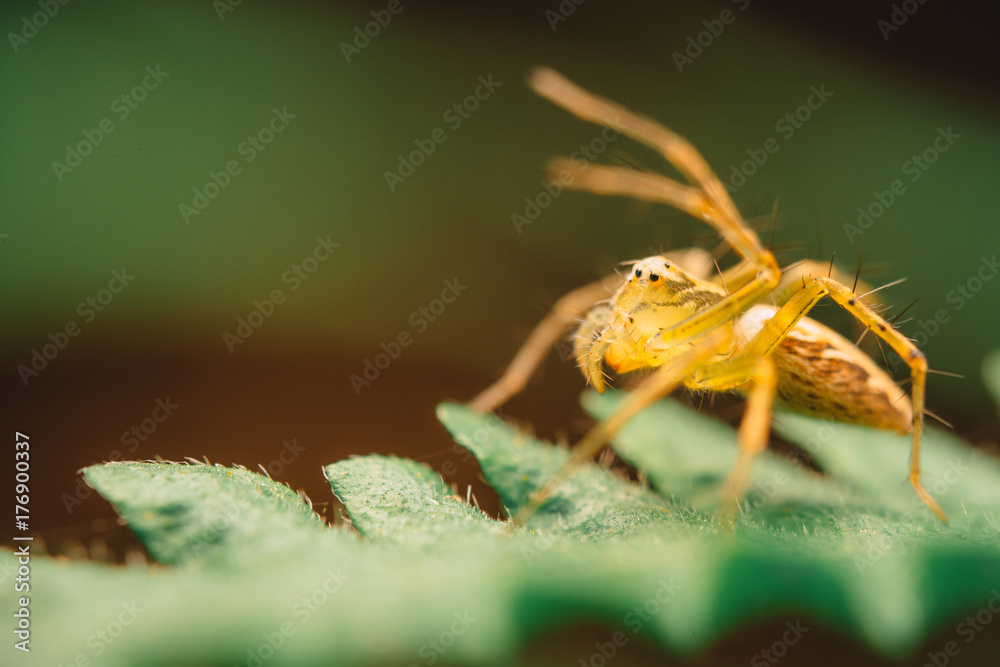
point(606, 376)
point(950, 374)
point(881, 349)
point(933, 371)
point(893, 321)
point(857, 275)
point(878, 308)
point(794, 265)
point(938, 418)
point(725, 287)
point(892, 284)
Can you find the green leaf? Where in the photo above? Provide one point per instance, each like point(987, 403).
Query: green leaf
point(822, 546)
point(896, 569)
point(690, 459)
point(591, 501)
point(404, 502)
point(876, 465)
point(192, 512)
point(434, 578)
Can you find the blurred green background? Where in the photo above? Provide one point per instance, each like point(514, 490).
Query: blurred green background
point(284, 398)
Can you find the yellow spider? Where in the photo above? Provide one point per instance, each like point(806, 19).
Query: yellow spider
point(711, 335)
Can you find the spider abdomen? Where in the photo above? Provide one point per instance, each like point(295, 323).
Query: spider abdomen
point(822, 374)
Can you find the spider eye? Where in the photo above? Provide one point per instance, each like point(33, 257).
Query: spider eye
point(666, 265)
point(638, 273)
point(654, 277)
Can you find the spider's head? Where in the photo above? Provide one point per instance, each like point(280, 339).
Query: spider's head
point(658, 294)
point(657, 277)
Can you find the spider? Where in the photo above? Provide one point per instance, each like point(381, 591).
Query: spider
point(710, 334)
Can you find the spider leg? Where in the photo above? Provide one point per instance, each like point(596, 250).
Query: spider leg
point(764, 272)
point(756, 424)
point(663, 381)
point(777, 329)
point(705, 199)
point(793, 276)
point(675, 148)
point(754, 430)
point(564, 313)
point(590, 353)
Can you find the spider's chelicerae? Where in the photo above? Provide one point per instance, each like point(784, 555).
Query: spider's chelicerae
point(712, 334)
